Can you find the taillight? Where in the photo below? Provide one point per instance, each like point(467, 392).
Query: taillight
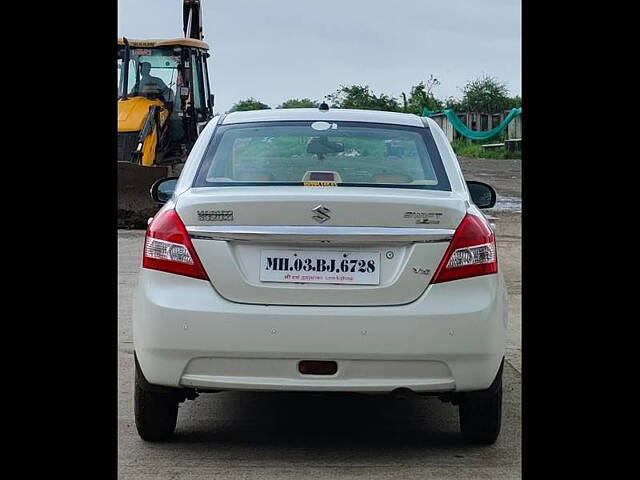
point(167, 247)
point(472, 252)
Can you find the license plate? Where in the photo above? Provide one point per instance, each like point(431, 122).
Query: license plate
point(302, 266)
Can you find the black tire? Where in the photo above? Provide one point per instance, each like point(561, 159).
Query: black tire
point(156, 413)
point(481, 414)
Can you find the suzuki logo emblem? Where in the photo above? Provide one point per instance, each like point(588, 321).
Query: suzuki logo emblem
point(322, 214)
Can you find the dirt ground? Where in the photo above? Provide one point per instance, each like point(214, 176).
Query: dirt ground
point(503, 175)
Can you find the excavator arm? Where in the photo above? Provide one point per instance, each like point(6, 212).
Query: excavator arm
point(145, 151)
point(192, 19)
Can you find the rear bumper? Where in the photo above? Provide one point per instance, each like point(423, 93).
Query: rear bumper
point(450, 339)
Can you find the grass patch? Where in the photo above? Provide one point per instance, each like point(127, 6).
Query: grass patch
point(468, 148)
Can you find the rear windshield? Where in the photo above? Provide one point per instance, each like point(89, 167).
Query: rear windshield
point(322, 153)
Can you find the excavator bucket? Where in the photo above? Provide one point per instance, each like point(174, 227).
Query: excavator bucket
point(134, 200)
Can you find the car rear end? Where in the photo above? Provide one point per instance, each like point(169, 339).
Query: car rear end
point(378, 275)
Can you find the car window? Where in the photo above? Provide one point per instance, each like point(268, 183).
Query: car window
point(344, 153)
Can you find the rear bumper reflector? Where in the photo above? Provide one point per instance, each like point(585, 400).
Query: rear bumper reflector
point(317, 367)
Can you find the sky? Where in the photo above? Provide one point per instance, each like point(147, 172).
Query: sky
point(274, 50)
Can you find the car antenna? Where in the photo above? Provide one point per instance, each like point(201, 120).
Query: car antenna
point(323, 107)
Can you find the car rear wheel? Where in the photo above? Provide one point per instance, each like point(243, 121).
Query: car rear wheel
point(156, 413)
point(481, 414)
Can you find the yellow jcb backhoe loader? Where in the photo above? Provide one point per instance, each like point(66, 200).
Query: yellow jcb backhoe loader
point(164, 101)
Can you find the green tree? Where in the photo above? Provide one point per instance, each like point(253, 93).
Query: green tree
point(515, 102)
point(359, 96)
point(453, 103)
point(485, 94)
point(249, 104)
point(421, 97)
point(298, 103)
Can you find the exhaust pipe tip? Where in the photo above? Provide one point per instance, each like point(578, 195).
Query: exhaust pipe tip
point(402, 393)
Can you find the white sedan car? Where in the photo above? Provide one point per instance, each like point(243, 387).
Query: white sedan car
point(320, 250)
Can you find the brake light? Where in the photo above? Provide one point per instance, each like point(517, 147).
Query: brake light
point(471, 253)
point(167, 247)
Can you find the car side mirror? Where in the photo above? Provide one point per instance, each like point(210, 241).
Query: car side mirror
point(162, 190)
point(483, 195)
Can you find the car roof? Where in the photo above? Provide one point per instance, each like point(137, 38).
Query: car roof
point(314, 114)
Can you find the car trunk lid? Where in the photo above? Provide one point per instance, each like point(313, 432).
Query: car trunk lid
point(241, 233)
